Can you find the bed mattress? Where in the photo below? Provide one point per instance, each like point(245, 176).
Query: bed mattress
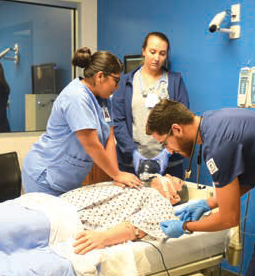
point(184, 250)
point(176, 252)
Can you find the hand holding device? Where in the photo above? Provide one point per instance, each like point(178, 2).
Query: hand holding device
point(163, 159)
point(137, 158)
point(172, 228)
point(193, 211)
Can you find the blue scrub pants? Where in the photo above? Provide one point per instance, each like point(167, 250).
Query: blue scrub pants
point(251, 267)
point(40, 186)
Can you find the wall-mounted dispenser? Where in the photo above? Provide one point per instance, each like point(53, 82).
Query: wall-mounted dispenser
point(246, 87)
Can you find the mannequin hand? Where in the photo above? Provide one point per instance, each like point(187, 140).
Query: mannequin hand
point(193, 211)
point(172, 228)
point(137, 158)
point(163, 160)
point(88, 240)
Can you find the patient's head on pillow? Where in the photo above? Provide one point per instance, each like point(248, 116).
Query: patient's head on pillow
point(168, 186)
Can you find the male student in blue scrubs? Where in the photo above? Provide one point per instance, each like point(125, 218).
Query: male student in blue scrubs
point(227, 137)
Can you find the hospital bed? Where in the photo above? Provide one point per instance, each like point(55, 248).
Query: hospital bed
point(197, 254)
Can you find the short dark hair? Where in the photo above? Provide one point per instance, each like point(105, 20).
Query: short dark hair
point(164, 114)
point(103, 61)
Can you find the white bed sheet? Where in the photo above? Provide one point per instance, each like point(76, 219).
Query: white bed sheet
point(184, 250)
point(146, 259)
point(139, 258)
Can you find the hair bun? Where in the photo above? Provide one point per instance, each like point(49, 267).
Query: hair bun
point(82, 57)
point(84, 50)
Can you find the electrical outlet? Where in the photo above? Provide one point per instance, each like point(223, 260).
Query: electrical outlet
point(235, 13)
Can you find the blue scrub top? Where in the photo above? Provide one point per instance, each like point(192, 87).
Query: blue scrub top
point(228, 137)
point(58, 153)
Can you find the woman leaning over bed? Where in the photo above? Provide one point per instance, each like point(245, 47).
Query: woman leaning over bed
point(79, 130)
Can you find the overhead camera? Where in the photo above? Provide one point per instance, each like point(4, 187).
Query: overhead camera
point(234, 30)
point(215, 23)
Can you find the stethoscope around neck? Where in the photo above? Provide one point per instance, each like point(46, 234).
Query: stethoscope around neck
point(144, 91)
point(199, 159)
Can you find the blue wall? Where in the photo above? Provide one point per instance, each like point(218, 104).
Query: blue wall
point(209, 63)
point(43, 35)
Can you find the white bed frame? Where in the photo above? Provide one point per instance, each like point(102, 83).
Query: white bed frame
point(207, 266)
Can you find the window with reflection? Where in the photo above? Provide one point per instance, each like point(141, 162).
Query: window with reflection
point(36, 46)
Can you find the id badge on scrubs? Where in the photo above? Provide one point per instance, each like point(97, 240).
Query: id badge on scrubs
point(151, 100)
point(106, 114)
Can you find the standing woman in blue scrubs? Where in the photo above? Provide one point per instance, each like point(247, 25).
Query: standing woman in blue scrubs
point(79, 130)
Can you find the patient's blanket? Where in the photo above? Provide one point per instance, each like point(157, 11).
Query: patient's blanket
point(33, 229)
point(24, 243)
point(36, 236)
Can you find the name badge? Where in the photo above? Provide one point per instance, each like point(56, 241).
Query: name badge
point(106, 115)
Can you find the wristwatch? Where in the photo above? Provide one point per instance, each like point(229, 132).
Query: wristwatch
point(185, 229)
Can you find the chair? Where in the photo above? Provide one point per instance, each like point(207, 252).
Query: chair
point(10, 176)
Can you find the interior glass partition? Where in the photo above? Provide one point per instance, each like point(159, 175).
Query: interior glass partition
point(32, 36)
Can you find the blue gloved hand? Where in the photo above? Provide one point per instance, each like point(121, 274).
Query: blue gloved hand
point(172, 228)
point(137, 158)
point(193, 211)
point(163, 159)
